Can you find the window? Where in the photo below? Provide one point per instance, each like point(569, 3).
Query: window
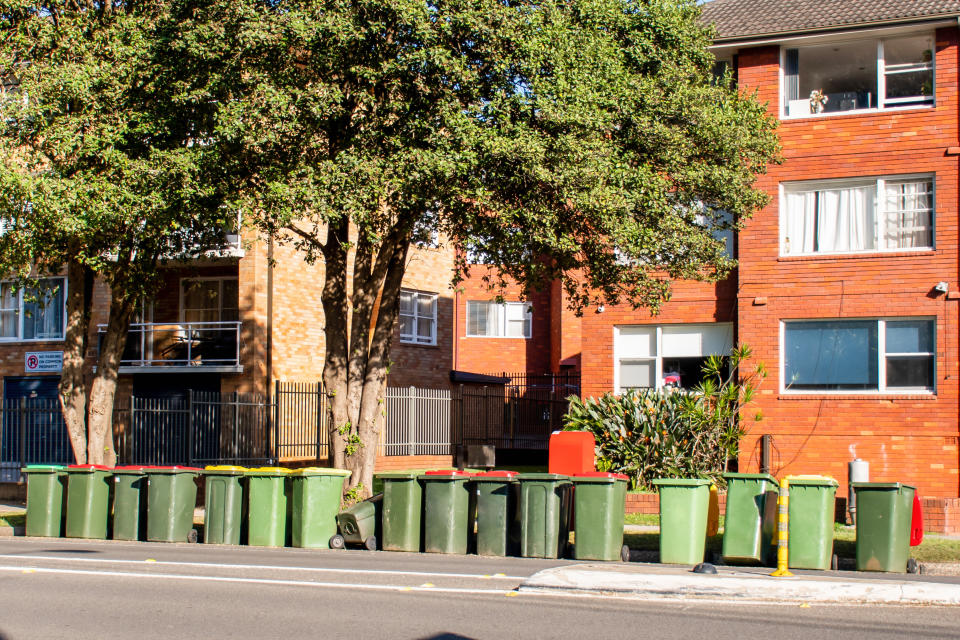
point(864, 74)
point(650, 356)
point(886, 355)
point(849, 217)
point(33, 313)
point(209, 300)
point(418, 317)
point(499, 320)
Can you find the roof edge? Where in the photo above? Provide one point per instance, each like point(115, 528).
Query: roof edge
point(748, 38)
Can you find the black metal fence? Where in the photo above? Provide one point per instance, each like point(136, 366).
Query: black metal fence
point(33, 432)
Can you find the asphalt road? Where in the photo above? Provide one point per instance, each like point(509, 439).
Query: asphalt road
point(81, 589)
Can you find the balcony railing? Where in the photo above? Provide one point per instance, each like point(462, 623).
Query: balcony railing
point(184, 344)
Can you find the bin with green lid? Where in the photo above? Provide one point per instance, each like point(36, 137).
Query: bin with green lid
point(884, 513)
point(684, 508)
point(315, 494)
point(171, 500)
point(811, 514)
point(498, 527)
point(544, 514)
point(359, 524)
point(268, 506)
point(749, 518)
point(88, 501)
point(129, 503)
point(402, 511)
point(446, 511)
point(223, 499)
point(45, 496)
point(599, 501)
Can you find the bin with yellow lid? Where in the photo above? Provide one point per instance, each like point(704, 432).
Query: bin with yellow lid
point(315, 492)
point(268, 492)
point(223, 522)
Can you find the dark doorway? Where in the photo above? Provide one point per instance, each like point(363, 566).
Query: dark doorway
point(33, 428)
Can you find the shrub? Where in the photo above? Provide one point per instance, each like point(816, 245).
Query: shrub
point(653, 434)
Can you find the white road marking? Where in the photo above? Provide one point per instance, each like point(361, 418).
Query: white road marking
point(213, 565)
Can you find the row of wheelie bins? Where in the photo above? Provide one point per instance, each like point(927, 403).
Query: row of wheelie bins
point(267, 506)
point(500, 513)
point(883, 524)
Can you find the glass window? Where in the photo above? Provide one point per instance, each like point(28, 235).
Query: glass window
point(849, 217)
point(211, 300)
point(652, 356)
point(908, 70)
point(418, 317)
point(35, 312)
point(499, 320)
point(858, 355)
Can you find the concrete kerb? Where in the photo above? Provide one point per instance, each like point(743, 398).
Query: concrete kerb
point(664, 582)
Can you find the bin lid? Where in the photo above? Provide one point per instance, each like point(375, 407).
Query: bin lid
point(857, 486)
point(172, 469)
point(447, 474)
point(751, 476)
point(87, 468)
point(223, 470)
point(681, 482)
point(130, 469)
point(497, 475)
point(600, 476)
point(543, 476)
point(267, 471)
point(812, 481)
point(321, 471)
point(398, 475)
point(42, 468)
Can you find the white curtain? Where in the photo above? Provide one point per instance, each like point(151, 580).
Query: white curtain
point(845, 220)
point(800, 223)
point(909, 215)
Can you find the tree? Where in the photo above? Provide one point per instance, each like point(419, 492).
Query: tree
point(100, 179)
point(586, 141)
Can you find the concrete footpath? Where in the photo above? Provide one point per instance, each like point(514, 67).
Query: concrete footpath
point(744, 584)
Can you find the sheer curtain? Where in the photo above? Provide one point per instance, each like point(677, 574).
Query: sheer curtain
point(909, 215)
point(801, 223)
point(845, 220)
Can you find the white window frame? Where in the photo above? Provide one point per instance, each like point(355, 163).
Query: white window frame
point(882, 355)
point(415, 337)
point(504, 321)
point(658, 356)
point(881, 78)
point(221, 280)
point(879, 207)
point(21, 314)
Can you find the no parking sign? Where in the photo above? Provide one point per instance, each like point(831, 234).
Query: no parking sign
point(43, 361)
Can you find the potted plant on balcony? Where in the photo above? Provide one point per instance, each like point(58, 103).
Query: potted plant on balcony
point(817, 100)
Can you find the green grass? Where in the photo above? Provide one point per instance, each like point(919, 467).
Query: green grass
point(647, 519)
point(13, 520)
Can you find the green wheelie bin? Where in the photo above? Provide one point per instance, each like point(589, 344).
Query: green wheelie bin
point(129, 503)
point(498, 529)
point(599, 500)
point(223, 500)
point(884, 514)
point(811, 514)
point(88, 501)
point(358, 524)
point(45, 483)
point(316, 494)
point(684, 509)
point(402, 511)
point(749, 518)
point(268, 506)
point(544, 515)
point(171, 500)
point(446, 511)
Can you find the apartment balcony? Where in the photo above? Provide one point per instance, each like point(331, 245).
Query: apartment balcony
point(163, 347)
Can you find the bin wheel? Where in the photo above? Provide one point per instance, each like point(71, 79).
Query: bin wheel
point(370, 543)
point(192, 537)
point(336, 542)
point(835, 562)
point(913, 566)
point(624, 553)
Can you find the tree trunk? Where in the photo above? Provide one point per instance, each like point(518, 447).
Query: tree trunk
point(335, 313)
point(73, 390)
point(100, 449)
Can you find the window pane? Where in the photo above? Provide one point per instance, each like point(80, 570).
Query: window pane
point(910, 371)
point(406, 325)
point(43, 311)
point(477, 314)
point(406, 301)
point(910, 336)
point(425, 330)
point(909, 69)
point(9, 324)
point(637, 341)
point(831, 355)
point(845, 220)
point(846, 74)
point(426, 306)
point(683, 372)
point(637, 374)
point(909, 214)
point(201, 294)
point(231, 301)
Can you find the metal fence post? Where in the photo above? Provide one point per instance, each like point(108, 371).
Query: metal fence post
point(411, 417)
point(275, 450)
point(190, 427)
point(321, 407)
point(23, 434)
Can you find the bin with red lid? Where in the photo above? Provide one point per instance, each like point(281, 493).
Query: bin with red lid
point(599, 501)
point(572, 453)
point(171, 500)
point(447, 506)
point(129, 503)
point(88, 501)
point(498, 526)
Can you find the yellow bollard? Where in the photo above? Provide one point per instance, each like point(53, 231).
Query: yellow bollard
point(783, 536)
